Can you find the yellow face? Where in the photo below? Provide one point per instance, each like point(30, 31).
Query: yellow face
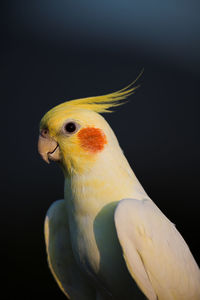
point(74, 133)
point(74, 138)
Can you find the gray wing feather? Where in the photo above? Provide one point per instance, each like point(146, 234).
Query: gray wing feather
point(60, 256)
point(156, 255)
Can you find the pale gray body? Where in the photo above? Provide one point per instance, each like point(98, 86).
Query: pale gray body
point(107, 239)
point(78, 280)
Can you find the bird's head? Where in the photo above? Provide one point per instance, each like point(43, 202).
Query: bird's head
point(75, 134)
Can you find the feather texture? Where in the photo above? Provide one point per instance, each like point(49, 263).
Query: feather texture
point(99, 104)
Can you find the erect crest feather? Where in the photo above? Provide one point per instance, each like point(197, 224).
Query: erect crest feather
point(99, 104)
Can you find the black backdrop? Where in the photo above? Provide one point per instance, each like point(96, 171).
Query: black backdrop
point(57, 50)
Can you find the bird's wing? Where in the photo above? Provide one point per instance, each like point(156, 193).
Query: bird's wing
point(60, 256)
point(156, 255)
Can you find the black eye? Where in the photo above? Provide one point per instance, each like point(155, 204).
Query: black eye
point(70, 127)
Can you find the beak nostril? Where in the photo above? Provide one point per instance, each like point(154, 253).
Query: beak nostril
point(44, 132)
point(48, 147)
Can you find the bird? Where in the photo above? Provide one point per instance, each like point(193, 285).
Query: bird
point(107, 239)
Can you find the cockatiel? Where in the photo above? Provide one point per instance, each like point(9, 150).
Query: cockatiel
point(107, 239)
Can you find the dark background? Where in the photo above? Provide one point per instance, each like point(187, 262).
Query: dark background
point(52, 51)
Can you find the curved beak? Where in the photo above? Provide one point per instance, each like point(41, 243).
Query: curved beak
point(48, 148)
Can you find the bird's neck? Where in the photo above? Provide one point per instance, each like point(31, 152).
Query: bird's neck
point(110, 180)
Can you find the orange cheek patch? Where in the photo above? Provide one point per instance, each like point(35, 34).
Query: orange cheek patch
point(92, 139)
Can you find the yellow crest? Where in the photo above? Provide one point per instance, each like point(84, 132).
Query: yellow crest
point(99, 104)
